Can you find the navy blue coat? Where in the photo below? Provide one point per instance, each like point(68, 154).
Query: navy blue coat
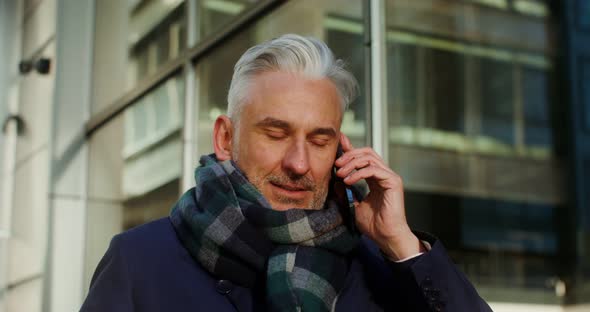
point(148, 269)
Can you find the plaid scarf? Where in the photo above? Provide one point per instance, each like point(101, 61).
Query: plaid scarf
point(230, 229)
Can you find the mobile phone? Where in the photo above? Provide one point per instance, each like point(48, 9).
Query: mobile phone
point(351, 220)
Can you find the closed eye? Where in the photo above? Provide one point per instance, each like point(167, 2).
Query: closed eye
point(276, 135)
point(320, 141)
point(322, 136)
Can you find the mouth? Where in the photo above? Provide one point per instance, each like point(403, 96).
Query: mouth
point(290, 187)
point(290, 190)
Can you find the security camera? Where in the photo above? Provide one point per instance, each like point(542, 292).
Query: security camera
point(41, 65)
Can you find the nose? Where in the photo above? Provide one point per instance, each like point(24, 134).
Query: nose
point(296, 159)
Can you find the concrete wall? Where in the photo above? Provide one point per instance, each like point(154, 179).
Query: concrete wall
point(64, 286)
point(9, 52)
point(42, 259)
point(29, 95)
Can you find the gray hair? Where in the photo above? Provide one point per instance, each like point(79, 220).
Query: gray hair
point(291, 53)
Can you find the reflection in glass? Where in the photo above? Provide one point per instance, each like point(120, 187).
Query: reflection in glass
point(497, 101)
point(402, 62)
point(152, 140)
point(132, 40)
point(214, 14)
point(536, 107)
point(143, 155)
point(443, 106)
point(134, 168)
point(157, 33)
point(470, 132)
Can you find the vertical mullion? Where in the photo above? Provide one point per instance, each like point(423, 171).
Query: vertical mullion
point(421, 87)
point(378, 78)
point(398, 102)
point(366, 6)
point(518, 108)
point(190, 111)
point(11, 99)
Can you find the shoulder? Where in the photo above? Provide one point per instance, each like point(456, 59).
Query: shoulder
point(155, 256)
point(147, 269)
point(148, 235)
point(152, 246)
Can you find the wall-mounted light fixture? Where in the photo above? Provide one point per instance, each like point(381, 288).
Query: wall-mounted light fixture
point(41, 65)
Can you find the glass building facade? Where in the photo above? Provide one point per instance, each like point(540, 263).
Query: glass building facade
point(481, 106)
point(470, 117)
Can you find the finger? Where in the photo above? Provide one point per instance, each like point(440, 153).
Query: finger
point(358, 163)
point(352, 165)
point(359, 153)
point(345, 142)
point(375, 175)
point(356, 152)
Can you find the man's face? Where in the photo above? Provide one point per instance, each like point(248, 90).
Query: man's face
point(289, 132)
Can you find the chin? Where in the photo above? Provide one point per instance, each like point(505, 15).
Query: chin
point(281, 206)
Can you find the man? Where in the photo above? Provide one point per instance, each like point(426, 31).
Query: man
point(268, 227)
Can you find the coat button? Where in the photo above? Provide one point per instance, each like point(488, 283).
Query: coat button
point(438, 307)
point(224, 287)
point(426, 282)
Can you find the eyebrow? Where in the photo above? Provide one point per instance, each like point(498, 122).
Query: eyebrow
point(271, 122)
point(324, 131)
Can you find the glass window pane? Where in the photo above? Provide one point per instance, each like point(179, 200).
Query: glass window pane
point(443, 87)
point(470, 94)
point(537, 98)
point(403, 93)
point(134, 168)
point(497, 101)
point(339, 23)
point(212, 15)
point(133, 39)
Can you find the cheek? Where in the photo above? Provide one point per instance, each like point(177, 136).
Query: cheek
point(259, 158)
point(323, 166)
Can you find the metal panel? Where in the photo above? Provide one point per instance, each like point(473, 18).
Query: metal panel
point(575, 238)
point(378, 78)
point(191, 108)
point(584, 91)
point(583, 15)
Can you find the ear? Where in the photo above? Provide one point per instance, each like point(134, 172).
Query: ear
point(222, 138)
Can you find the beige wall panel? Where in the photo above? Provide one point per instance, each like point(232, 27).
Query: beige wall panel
point(25, 297)
point(106, 162)
point(67, 265)
point(29, 219)
point(36, 98)
point(39, 26)
point(110, 53)
point(104, 220)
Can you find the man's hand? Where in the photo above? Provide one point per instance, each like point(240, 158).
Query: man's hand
point(381, 215)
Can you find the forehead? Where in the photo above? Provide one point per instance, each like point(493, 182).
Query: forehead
point(299, 100)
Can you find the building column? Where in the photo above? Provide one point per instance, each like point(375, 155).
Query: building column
point(64, 285)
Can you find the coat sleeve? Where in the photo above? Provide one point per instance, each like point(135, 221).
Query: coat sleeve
point(110, 288)
point(429, 282)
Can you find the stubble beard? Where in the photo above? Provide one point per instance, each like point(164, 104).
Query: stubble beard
point(320, 190)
